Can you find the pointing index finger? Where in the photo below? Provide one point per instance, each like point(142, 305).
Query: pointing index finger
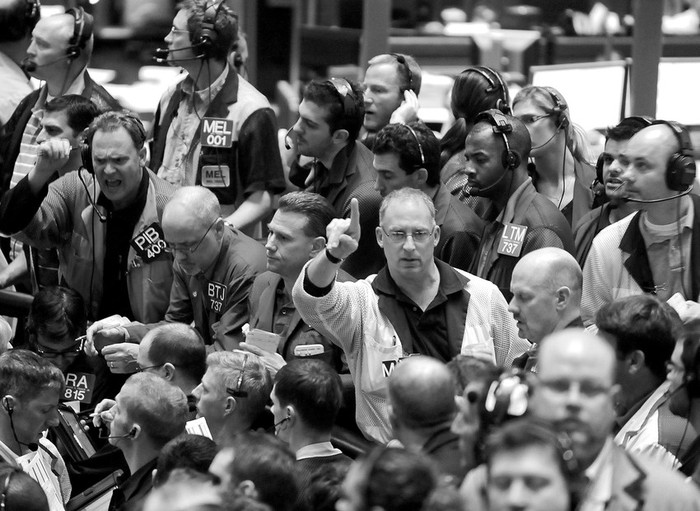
point(354, 215)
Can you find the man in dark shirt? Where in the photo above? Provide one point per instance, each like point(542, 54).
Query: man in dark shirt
point(215, 265)
point(521, 220)
point(104, 221)
point(297, 233)
point(409, 155)
point(330, 117)
point(306, 399)
point(147, 413)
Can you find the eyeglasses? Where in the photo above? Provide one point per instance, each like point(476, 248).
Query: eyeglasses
point(140, 369)
point(174, 30)
point(531, 119)
point(237, 392)
point(401, 236)
point(190, 250)
point(49, 353)
point(587, 388)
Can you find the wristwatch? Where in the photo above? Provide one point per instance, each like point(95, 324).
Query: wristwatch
point(332, 258)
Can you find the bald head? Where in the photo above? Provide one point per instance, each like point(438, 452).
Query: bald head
point(421, 392)
point(553, 268)
point(659, 136)
point(192, 204)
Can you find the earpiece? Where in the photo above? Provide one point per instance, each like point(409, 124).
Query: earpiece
point(561, 120)
point(495, 83)
point(691, 366)
point(82, 32)
point(507, 397)
point(680, 169)
point(207, 37)
point(510, 159)
point(7, 404)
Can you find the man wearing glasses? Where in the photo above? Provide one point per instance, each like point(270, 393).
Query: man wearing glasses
point(415, 305)
point(575, 390)
point(213, 128)
point(214, 268)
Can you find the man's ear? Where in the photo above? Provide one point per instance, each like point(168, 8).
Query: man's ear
point(380, 236)
point(563, 295)
point(230, 405)
point(420, 176)
point(635, 361)
point(169, 371)
point(436, 236)
point(135, 431)
point(248, 489)
point(318, 244)
point(143, 154)
point(340, 136)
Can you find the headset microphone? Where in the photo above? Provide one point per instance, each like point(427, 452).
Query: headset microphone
point(663, 199)
point(131, 433)
point(30, 66)
point(278, 424)
point(161, 54)
point(287, 145)
point(32, 446)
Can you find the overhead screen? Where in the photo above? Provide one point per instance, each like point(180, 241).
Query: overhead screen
point(675, 76)
point(595, 91)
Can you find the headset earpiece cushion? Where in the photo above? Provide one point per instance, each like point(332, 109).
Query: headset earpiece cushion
point(691, 362)
point(680, 173)
point(86, 155)
point(511, 160)
point(599, 168)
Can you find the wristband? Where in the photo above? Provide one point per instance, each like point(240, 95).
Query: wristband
point(332, 258)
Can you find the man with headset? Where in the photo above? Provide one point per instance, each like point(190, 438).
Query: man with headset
point(608, 185)
point(58, 55)
point(213, 128)
point(655, 250)
point(17, 20)
point(147, 413)
point(330, 118)
point(30, 387)
point(520, 220)
point(392, 84)
point(65, 117)
point(103, 219)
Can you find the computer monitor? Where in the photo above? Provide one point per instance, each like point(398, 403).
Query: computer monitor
point(675, 100)
point(596, 92)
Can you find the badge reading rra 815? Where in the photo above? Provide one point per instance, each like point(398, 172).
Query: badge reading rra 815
point(149, 244)
point(216, 132)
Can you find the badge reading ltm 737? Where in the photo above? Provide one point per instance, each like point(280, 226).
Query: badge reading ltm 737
point(216, 132)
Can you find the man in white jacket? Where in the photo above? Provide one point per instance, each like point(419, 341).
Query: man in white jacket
point(416, 304)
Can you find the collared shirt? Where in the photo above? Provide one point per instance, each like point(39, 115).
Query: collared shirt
point(427, 330)
point(178, 161)
point(669, 252)
point(284, 310)
point(318, 450)
point(600, 474)
point(491, 233)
